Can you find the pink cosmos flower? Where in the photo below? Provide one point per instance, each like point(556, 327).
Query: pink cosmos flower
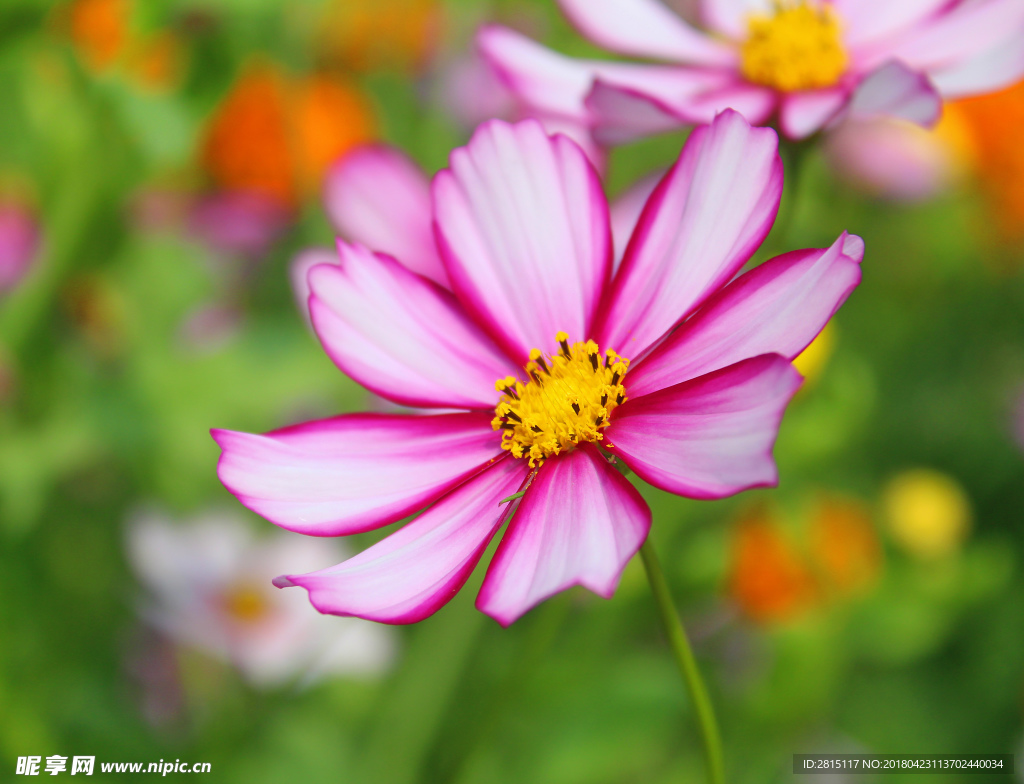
point(562, 370)
point(808, 62)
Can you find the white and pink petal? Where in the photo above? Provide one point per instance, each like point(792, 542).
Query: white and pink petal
point(645, 28)
point(710, 437)
point(623, 108)
point(995, 69)
point(776, 308)
point(702, 223)
point(401, 335)
point(804, 113)
point(579, 524)
point(412, 573)
point(626, 209)
point(354, 472)
point(869, 21)
point(729, 17)
point(298, 273)
point(524, 232)
point(967, 30)
point(894, 90)
point(378, 197)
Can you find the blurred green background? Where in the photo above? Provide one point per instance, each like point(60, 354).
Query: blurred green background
point(874, 602)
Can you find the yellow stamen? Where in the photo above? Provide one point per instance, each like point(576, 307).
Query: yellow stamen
point(567, 400)
point(796, 47)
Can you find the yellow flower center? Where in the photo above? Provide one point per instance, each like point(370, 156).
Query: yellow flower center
point(796, 47)
point(246, 603)
point(567, 401)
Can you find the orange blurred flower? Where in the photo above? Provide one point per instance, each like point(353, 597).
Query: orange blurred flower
point(776, 576)
point(994, 122)
point(247, 145)
point(365, 34)
point(277, 136)
point(331, 117)
point(104, 36)
point(844, 546)
point(99, 30)
point(768, 577)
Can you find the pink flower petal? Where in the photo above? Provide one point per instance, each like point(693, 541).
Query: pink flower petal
point(754, 102)
point(994, 70)
point(622, 115)
point(701, 224)
point(549, 84)
point(401, 335)
point(626, 209)
point(729, 17)
point(378, 197)
point(966, 31)
point(354, 472)
point(579, 524)
point(645, 28)
point(868, 21)
point(580, 133)
point(523, 228)
point(893, 90)
point(776, 308)
point(710, 437)
point(298, 273)
point(659, 101)
point(804, 113)
point(415, 571)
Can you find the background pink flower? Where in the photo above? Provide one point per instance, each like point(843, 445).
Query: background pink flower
point(808, 62)
point(19, 243)
point(893, 159)
point(519, 288)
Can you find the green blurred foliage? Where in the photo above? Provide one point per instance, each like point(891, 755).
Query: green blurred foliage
point(104, 416)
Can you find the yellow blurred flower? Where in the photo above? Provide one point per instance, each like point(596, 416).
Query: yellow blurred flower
point(927, 512)
point(811, 362)
point(276, 135)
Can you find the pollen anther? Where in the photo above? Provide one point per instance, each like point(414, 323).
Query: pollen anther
point(797, 46)
point(568, 401)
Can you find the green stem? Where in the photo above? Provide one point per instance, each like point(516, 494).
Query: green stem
point(794, 157)
point(687, 664)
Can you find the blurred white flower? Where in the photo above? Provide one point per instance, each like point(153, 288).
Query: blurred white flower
point(208, 586)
